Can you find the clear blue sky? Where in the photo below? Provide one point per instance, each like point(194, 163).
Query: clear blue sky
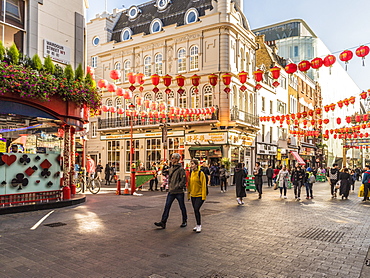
point(340, 24)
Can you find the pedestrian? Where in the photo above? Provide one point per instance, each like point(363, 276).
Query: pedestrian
point(154, 180)
point(258, 173)
point(224, 175)
point(345, 183)
point(206, 171)
point(239, 176)
point(99, 170)
point(333, 177)
point(215, 174)
point(107, 172)
point(353, 180)
point(269, 175)
point(283, 179)
point(309, 179)
point(297, 180)
point(366, 182)
point(358, 173)
point(90, 166)
point(176, 186)
point(165, 172)
point(276, 172)
point(197, 191)
point(113, 172)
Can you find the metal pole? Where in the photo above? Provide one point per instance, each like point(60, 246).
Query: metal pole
point(132, 175)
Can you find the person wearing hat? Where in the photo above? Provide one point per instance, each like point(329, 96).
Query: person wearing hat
point(308, 182)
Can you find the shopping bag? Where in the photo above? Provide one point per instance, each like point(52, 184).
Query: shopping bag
point(361, 191)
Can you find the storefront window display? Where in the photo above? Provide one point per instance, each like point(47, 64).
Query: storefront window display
point(176, 145)
point(136, 153)
point(114, 154)
point(153, 152)
point(234, 156)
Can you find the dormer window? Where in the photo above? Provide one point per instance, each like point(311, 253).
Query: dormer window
point(126, 34)
point(156, 26)
point(133, 12)
point(191, 16)
point(162, 4)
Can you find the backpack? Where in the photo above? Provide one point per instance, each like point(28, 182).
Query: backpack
point(311, 178)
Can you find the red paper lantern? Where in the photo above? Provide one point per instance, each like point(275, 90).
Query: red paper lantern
point(243, 76)
point(120, 111)
point(292, 116)
point(213, 79)
point(304, 114)
point(363, 95)
point(180, 82)
point(127, 95)
point(320, 121)
point(310, 112)
point(305, 122)
point(291, 68)
point(147, 103)
point(155, 81)
point(326, 108)
point(326, 121)
point(226, 79)
point(195, 81)
point(139, 101)
point(275, 71)
point(258, 86)
point(358, 118)
point(275, 84)
point(139, 77)
point(346, 102)
point(317, 63)
point(131, 79)
point(167, 80)
point(332, 106)
point(119, 92)
point(363, 126)
point(162, 106)
point(112, 109)
point(105, 108)
point(304, 66)
point(362, 51)
point(348, 119)
point(111, 87)
point(340, 104)
point(153, 106)
point(352, 100)
point(339, 121)
point(313, 122)
point(299, 115)
point(102, 83)
point(345, 56)
point(365, 117)
point(329, 61)
point(318, 111)
point(115, 74)
point(335, 136)
point(258, 75)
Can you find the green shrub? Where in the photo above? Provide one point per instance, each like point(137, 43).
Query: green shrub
point(2, 51)
point(49, 65)
point(79, 73)
point(36, 62)
point(13, 54)
point(68, 73)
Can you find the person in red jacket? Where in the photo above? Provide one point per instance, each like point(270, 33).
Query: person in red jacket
point(90, 166)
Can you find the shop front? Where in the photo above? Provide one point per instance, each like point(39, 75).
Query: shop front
point(308, 153)
point(266, 155)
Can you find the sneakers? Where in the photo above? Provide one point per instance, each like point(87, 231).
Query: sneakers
point(239, 201)
point(281, 196)
point(298, 198)
point(242, 202)
point(183, 225)
point(160, 224)
point(198, 228)
point(222, 191)
point(285, 197)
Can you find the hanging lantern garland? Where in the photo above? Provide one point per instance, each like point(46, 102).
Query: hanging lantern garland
point(291, 68)
point(275, 71)
point(345, 56)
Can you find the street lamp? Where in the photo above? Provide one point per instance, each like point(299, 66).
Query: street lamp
point(132, 167)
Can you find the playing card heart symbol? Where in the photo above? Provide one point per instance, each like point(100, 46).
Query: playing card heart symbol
point(9, 159)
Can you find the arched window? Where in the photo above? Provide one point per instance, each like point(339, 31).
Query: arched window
point(126, 69)
point(242, 60)
point(117, 66)
point(183, 100)
point(195, 99)
point(194, 58)
point(126, 34)
point(148, 96)
point(171, 99)
point(191, 16)
point(247, 66)
point(181, 60)
point(251, 104)
point(242, 101)
point(207, 96)
point(246, 104)
point(147, 66)
point(156, 26)
point(118, 102)
point(159, 96)
point(235, 94)
point(109, 102)
point(158, 64)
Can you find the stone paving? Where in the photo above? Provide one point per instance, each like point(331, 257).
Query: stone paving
point(114, 236)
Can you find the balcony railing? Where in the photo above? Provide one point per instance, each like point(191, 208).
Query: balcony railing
point(124, 121)
point(239, 115)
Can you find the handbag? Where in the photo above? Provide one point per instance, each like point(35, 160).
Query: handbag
point(337, 186)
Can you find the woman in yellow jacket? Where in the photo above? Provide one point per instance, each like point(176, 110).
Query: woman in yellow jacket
point(197, 191)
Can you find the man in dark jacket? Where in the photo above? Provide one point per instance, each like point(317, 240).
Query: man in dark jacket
point(297, 177)
point(269, 175)
point(333, 177)
point(366, 182)
point(258, 172)
point(176, 187)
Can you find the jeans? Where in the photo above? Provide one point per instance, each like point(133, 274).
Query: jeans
point(259, 188)
point(281, 189)
point(223, 182)
point(297, 189)
point(309, 189)
point(169, 200)
point(269, 181)
point(197, 202)
point(333, 190)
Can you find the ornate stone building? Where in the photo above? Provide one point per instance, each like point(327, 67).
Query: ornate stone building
point(180, 37)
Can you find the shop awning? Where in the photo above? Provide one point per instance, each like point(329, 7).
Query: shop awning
point(204, 148)
point(298, 158)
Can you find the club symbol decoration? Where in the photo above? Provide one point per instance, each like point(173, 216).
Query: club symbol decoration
point(19, 181)
point(45, 173)
point(24, 159)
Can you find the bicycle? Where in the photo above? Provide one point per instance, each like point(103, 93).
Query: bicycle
point(93, 184)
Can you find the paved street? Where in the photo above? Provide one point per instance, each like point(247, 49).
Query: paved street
point(114, 236)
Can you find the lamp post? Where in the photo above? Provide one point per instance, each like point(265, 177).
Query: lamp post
point(132, 166)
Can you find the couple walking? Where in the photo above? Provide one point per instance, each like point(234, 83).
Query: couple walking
point(197, 191)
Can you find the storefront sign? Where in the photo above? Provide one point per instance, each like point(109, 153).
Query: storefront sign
point(240, 139)
point(141, 135)
point(206, 138)
point(57, 52)
point(266, 149)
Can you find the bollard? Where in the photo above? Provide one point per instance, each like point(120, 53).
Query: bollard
point(66, 193)
point(118, 191)
point(125, 191)
point(73, 189)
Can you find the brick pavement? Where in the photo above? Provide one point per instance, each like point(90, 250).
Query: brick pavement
point(114, 236)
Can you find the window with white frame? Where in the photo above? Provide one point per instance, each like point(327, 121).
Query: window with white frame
point(114, 152)
point(148, 96)
point(283, 82)
point(208, 96)
point(176, 145)
point(147, 66)
point(247, 62)
point(93, 129)
point(94, 61)
point(281, 107)
point(159, 96)
point(246, 102)
point(153, 152)
point(135, 157)
point(242, 60)
point(158, 64)
point(242, 102)
point(171, 99)
point(181, 60)
point(117, 66)
point(195, 99)
point(293, 105)
point(194, 58)
point(263, 104)
point(109, 103)
point(118, 102)
point(235, 95)
point(251, 104)
point(183, 100)
point(262, 133)
point(271, 107)
point(126, 69)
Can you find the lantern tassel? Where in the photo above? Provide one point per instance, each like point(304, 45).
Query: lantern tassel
point(363, 61)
